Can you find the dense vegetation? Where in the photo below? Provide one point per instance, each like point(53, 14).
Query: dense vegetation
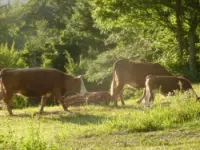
point(87, 36)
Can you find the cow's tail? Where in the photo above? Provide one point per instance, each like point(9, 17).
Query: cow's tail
point(1, 74)
point(2, 88)
point(112, 89)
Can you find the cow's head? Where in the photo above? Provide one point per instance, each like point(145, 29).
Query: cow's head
point(77, 85)
point(82, 86)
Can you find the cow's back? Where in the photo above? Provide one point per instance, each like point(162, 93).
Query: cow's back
point(32, 81)
point(168, 84)
point(134, 73)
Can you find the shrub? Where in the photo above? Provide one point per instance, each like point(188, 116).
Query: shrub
point(9, 57)
point(20, 101)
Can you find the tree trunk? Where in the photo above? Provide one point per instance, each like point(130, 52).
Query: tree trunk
point(192, 41)
point(179, 32)
point(192, 51)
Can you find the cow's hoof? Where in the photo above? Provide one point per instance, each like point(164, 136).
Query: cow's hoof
point(68, 111)
point(10, 114)
point(116, 106)
point(41, 112)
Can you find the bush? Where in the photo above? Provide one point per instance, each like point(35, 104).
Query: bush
point(10, 58)
point(20, 102)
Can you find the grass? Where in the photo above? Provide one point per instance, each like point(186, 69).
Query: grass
point(172, 123)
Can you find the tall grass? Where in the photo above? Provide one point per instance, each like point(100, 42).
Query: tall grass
point(32, 140)
point(182, 109)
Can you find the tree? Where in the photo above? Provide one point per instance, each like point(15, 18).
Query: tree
point(181, 17)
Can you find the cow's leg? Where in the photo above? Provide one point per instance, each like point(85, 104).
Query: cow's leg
point(56, 101)
point(118, 89)
point(108, 99)
point(59, 97)
point(142, 97)
point(149, 97)
point(121, 97)
point(43, 103)
point(147, 100)
point(9, 103)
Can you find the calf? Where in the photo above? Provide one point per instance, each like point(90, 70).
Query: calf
point(98, 97)
point(34, 82)
point(94, 97)
point(165, 84)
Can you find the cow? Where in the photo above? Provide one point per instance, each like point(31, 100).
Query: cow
point(99, 97)
point(134, 74)
point(166, 85)
point(38, 82)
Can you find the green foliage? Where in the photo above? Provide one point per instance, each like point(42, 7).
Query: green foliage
point(9, 57)
point(164, 24)
point(159, 117)
point(71, 67)
point(100, 69)
point(7, 141)
point(20, 102)
point(49, 56)
point(34, 139)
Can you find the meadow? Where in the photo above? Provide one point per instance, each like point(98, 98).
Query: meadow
point(172, 123)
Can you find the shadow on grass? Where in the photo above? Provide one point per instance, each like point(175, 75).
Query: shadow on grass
point(81, 119)
point(131, 107)
point(29, 114)
point(62, 116)
point(78, 117)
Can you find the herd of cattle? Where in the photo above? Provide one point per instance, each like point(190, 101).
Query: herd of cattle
point(54, 83)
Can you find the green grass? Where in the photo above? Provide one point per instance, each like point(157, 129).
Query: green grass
point(172, 123)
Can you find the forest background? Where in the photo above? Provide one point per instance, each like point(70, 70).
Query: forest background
point(85, 37)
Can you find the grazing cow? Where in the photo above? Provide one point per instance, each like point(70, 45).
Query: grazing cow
point(165, 85)
point(94, 97)
point(133, 74)
point(38, 82)
point(98, 97)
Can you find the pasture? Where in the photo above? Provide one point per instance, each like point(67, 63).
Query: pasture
point(172, 123)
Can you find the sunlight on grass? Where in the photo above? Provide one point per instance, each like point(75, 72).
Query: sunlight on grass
point(56, 129)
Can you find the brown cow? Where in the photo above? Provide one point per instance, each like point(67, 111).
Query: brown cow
point(165, 85)
point(98, 97)
point(88, 97)
point(38, 82)
point(133, 74)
